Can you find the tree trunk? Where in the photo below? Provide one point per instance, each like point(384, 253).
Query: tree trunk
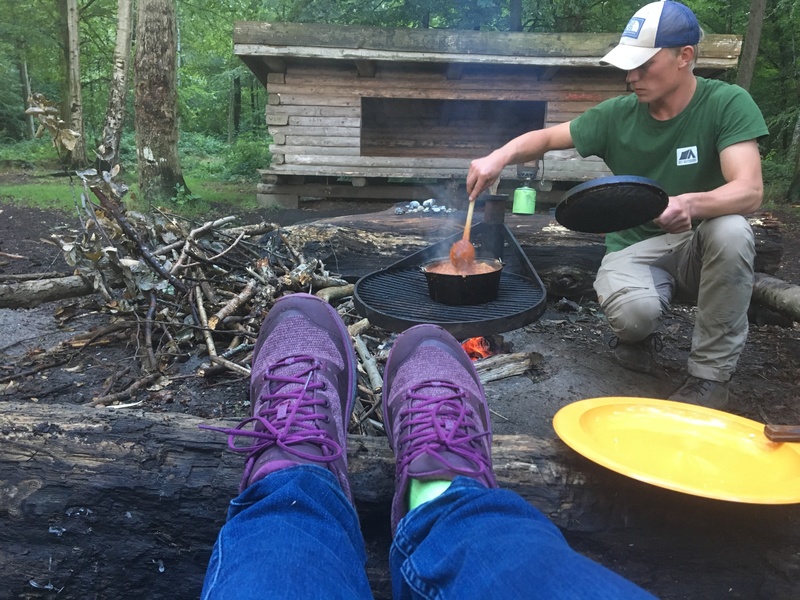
point(793, 193)
point(515, 15)
point(156, 101)
point(237, 105)
point(234, 108)
point(115, 112)
point(77, 157)
point(25, 84)
point(752, 37)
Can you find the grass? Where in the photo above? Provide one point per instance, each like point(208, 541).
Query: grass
point(207, 198)
point(41, 195)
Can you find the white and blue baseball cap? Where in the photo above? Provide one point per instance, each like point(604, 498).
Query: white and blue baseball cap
point(665, 24)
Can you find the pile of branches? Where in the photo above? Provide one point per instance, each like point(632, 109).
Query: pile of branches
point(177, 288)
point(180, 288)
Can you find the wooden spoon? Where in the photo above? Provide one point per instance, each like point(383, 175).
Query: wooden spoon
point(462, 253)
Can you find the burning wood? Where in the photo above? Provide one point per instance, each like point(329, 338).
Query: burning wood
point(477, 348)
point(484, 347)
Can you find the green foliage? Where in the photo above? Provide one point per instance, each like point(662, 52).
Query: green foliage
point(202, 154)
point(247, 154)
point(38, 150)
point(209, 72)
point(127, 150)
point(777, 172)
point(209, 156)
point(208, 198)
point(184, 197)
point(12, 120)
point(216, 198)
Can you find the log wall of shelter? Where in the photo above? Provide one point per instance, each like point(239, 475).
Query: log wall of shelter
point(419, 121)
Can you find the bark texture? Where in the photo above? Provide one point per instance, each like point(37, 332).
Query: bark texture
point(778, 295)
point(25, 84)
point(752, 38)
point(115, 111)
point(77, 156)
point(116, 503)
point(28, 294)
point(156, 101)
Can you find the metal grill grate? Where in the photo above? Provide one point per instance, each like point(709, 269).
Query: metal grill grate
point(397, 298)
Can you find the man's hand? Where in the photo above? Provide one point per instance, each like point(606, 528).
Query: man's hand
point(483, 172)
point(677, 217)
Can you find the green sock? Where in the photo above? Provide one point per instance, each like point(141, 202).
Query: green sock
point(420, 491)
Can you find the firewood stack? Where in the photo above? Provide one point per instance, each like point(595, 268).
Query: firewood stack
point(176, 288)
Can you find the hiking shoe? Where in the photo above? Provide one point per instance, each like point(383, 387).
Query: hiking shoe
point(302, 385)
point(637, 356)
point(435, 413)
point(703, 392)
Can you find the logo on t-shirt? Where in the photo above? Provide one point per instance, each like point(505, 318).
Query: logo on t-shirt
point(687, 156)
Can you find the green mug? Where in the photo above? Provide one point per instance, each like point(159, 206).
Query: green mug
point(524, 201)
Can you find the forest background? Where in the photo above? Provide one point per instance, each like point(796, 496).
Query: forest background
point(58, 48)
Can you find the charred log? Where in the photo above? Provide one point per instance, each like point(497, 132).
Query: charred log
point(106, 503)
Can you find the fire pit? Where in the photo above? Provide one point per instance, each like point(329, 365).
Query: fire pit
point(397, 297)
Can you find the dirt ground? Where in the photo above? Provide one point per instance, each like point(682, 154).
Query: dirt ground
point(576, 361)
point(572, 340)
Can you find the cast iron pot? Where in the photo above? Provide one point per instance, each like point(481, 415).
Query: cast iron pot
point(463, 289)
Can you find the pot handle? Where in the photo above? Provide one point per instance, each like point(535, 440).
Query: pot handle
point(782, 433)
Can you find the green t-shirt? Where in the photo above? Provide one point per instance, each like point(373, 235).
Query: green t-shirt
point(682, 153)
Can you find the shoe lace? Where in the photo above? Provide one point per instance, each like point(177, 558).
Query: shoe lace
point(436, 425)
point(286, 416)
point(696, 385)
point(652, 342)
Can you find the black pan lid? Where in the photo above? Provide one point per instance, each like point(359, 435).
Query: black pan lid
point(609, 204)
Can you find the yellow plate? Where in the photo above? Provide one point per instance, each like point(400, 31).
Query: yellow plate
point(682, 447)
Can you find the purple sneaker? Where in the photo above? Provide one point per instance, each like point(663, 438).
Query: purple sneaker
point(302, 386)
point(435, 413)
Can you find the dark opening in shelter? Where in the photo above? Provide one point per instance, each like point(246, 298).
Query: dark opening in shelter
point(443, 128)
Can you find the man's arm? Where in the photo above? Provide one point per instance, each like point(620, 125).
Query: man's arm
point(529, 146)
point(741, 195)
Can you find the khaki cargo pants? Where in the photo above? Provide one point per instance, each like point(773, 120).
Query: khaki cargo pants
point(711, 266)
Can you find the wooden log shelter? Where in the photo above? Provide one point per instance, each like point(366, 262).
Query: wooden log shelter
point(367, 112)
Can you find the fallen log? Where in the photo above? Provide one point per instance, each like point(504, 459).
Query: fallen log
point(778, 295)
point(355, 245)
point(30, 276)
point(566, 261)
point(107, 503)
point(28, 294)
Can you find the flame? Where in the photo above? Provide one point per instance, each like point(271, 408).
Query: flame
point(477, 347)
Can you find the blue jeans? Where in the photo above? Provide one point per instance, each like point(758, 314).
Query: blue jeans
point(294, 535)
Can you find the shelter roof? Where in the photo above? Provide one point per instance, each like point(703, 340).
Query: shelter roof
point(267, 47)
